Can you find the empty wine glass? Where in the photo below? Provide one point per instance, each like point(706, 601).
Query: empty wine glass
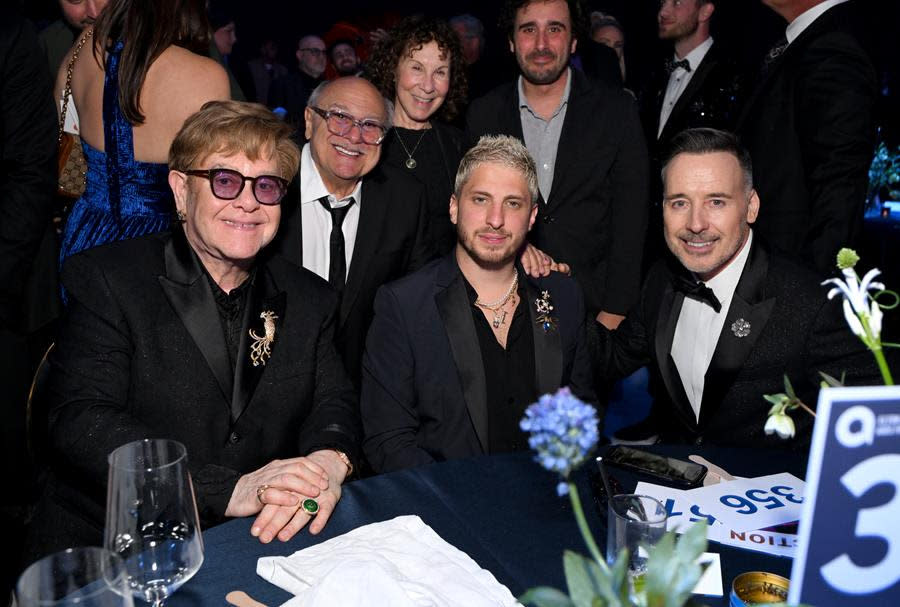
point(151, 517)
point(86, 577)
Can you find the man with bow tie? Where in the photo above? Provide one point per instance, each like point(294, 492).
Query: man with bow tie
point(722, 321)
point(698, 85)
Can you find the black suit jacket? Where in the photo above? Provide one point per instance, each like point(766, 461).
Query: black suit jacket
point(424, 395)
point(595, 218)
point(142, 354)
point(810, 128)
point(28, 129)
point(712, 98)
point(794, 330)
point(392, 241)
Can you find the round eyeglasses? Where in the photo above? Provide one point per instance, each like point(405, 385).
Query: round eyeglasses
point(227, 184)
point(340, 123)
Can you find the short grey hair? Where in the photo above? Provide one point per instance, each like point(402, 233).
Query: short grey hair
point(498, 149)
point(320, 89)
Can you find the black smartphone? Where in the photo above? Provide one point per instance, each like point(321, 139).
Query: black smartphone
point(669, 469)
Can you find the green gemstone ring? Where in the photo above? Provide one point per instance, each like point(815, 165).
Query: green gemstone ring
point(310, 506)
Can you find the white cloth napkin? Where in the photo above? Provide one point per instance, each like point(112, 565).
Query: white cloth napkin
point(401, 562)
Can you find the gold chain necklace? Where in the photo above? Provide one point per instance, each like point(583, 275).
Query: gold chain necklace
point(496, 306)
point(410, 161)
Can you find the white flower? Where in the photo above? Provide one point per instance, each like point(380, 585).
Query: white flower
point(780, 423)
point(857, 306)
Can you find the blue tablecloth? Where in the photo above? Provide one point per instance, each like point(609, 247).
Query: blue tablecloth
point(501, 510)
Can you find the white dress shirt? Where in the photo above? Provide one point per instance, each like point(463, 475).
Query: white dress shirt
point(317, 221)
point(699, 326)
point(805, 19)
point(678, 81)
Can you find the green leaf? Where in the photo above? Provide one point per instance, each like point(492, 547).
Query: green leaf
point(776, 399)
point(788, 388)
point(832, 381)
point(587, 581)
point(672, 571)
point(544, 596)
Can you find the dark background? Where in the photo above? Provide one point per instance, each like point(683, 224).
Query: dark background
point(748, 26)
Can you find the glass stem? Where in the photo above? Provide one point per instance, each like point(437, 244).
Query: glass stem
point(583, 526)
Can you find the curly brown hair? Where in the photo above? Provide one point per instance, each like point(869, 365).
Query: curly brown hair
point(410, 35)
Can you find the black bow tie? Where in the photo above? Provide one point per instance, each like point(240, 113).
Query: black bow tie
point(671, 66)
point(696, 290)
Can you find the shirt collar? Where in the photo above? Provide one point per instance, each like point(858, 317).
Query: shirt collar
point(725, 282)
point(312, 188)
point(523, 101)
point(695, 57)
point(805, 19)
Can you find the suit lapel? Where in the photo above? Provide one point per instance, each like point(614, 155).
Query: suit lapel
point(264, 296)
point(453, 306)
point(188, 291)
point(687, 95)
point(747, 304)
point(548, 358)
point(669, 311)
point(372, 214)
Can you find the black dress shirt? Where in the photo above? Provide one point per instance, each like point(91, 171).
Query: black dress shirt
point(509, 375)
point(231, 312)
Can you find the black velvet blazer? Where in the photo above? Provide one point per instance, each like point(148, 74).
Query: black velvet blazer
point(141, 354)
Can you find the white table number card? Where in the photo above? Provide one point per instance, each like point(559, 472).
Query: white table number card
point(684, 511)
point(849, 542)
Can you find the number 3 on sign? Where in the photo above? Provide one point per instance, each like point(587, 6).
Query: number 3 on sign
point(880, 521)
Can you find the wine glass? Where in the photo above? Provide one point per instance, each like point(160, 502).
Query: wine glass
point(86, 577)
point(151, 517)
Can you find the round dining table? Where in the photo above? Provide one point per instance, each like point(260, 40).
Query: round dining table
point(501, 510)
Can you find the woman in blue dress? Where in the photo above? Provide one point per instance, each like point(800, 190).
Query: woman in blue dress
point(137, 78)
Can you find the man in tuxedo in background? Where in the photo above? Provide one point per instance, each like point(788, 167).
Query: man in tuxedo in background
point(698, 85)
point(591, 159)
point(810, 128)
point(355, 225)
point(459, 349)
point(715, 347)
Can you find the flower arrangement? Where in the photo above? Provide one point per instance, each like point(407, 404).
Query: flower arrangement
point(863, 314)
point(564, 434)
point(884, 173)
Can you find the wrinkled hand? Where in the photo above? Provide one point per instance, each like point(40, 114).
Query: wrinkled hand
point(318, 475)
point(536, 263)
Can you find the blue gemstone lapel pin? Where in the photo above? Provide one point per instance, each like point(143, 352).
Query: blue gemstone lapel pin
point(261, 349)
point(740, 328)
point(544, 307)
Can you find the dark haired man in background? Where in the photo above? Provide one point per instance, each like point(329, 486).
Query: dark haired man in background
point(587, 142)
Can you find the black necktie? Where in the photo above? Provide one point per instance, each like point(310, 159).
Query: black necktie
point(773, 54)
point(337, 269)
point(696, 290)
point(671, 66)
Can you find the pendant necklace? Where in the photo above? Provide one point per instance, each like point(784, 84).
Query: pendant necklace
point(410, 161)
point(496, 306)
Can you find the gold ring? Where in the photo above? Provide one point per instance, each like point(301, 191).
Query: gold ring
point(259, 493)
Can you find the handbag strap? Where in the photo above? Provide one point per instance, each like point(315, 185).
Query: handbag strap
point(67, 92)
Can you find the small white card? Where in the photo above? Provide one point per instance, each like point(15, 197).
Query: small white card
point(710, 583)
point(683, 513)
point(753, 503)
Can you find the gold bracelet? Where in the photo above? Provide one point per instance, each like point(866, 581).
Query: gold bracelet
point(346, 460)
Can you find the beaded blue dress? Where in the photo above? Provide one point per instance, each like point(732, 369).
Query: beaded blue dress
point(123, 197)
